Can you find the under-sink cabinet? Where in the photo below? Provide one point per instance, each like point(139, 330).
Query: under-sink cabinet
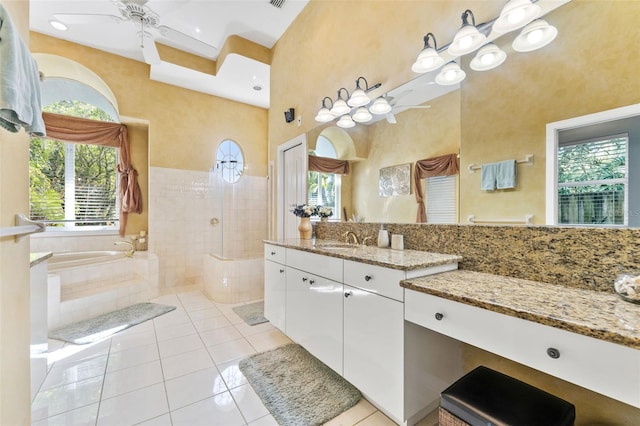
point(274, 285)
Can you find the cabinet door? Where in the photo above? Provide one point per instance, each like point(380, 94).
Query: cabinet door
point(274, 294)
point(314, 315)
point(373, 348)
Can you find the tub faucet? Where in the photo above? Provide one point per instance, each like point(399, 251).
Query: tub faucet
point(131, 250)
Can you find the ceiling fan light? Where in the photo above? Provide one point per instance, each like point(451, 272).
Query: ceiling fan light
point(534, 36)
point(346, 122)
point(380, 106)
point(428, 60)
point(362, 115)
point(324, 115)
point(58, 25)
point(488, 57)
point(340, 107)
point(450, 74)
point(516, 14)
point(358, 98)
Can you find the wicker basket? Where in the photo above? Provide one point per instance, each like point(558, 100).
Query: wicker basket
point(445, 418)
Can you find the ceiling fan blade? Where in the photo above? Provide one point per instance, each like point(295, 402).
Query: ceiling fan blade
point(150, 52)
point(86, 18)
point(391, 118)
point(187, 41)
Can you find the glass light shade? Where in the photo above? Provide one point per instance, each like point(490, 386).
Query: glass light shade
point(516, 14)
point(467, 39)
point(362, 115)
point(428, 60)
point(380, 106)
point(358, 98)
point(534, 36)
point(488, 57)
point(324, 115)
point(450, 74)
point(346, 122)
point(340, 107)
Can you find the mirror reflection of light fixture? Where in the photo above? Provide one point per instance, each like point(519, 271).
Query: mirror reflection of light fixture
point(380, 106)
point(428, 59)
point(468, 38)
point(516, 14)
point(359, 96)
point(534, 36)
point(340, 106)
point(324, 115)
point(450, 74)
point(488, 57)
point(362, 115)
point(346, 122)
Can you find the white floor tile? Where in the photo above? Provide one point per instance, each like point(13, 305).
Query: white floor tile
point(231, 374)
point(249, 403)
point(65, 398)
point(228, 351)
point(194, 387)
point(377, 419)
point(84, 416)
point(133, 407)
point(178, 316)
point(212, 312)
point(355, 414)
point(69, 353)
point(127, 341)
point(264, 421)
point(123, 381)
point(164, 420)
point(217, 410)
point(268, 340)
point(188, 362)
point(212, 323)
point(63, 374)
point(249, 330)
point(180, 345)
point(220, 335)
point(171, 332)
point(132, 357)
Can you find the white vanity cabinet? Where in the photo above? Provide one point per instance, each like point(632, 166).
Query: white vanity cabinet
point(275, 285)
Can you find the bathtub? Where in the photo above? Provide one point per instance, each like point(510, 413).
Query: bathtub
point(83, 285)
point(233, 280)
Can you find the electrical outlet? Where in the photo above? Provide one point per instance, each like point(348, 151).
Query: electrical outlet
point(299, 120)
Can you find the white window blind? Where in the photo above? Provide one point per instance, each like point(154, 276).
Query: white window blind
point(441, 199)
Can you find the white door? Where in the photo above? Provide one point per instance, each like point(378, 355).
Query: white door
point(293, 178)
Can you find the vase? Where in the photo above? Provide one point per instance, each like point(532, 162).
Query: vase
point(305, 228)
point(324, 219)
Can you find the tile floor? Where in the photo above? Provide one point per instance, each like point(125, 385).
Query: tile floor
point(178, 369)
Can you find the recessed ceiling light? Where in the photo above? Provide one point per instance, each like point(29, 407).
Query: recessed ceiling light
point(58, 25)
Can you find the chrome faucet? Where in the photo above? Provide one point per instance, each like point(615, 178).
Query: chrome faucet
point(132, 248)
point(352, 235)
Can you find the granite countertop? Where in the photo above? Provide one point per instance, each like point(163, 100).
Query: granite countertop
point(35, 258)
point(406, 260)
point(591, 313)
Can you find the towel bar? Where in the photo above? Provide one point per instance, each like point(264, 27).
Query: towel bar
point(23, 227)
point(528, 159)
point(528, 220)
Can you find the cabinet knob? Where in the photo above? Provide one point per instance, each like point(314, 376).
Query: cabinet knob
point(304, 279)
point(553, 353)
point(312, 282)
point(439, 316)
point(273, 253)
point(282, 271)
point(348, 293)
point(367, 277)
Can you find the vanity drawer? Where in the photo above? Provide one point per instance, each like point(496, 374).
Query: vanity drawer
point(376, 279)
point(323, 266)
point(274, 253)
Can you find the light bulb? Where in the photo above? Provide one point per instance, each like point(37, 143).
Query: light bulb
point(516, 16)
point(487, 58)
point(465, 42)
point(534, 36)
point(450, 75)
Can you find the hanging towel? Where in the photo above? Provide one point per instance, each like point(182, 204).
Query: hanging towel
point(505, 174)
point(20, 103)
point(488, 177)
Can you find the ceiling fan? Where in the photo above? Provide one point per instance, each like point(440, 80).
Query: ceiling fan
point(138, 13)
point(395, 107)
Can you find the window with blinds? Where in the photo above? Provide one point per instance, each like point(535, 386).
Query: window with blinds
point(441, 199)
point(592, 181)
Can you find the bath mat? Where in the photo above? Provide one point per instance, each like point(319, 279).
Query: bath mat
point(296, 387)
point(105, 325)
point(252, 313)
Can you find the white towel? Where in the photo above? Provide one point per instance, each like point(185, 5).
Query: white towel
point(20, 102)
point(506, 174)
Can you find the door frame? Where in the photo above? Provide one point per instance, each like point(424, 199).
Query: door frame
point(281, 210)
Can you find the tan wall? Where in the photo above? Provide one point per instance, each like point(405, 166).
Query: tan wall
point(15, 394)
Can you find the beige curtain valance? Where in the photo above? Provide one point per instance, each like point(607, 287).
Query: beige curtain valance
point(81, 130)
point(444, 165)
point(328, 165)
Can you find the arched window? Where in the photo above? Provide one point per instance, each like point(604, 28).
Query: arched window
point(323, 189)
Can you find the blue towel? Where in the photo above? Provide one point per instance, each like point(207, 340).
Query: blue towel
point(488, 176)
point(505, 174)
point(20, 103)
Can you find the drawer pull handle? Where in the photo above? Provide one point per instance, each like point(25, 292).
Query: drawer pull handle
point(304, 280)
point(367, 277)
point(312, 282)
point(553, 353)
point(348, 293)
point(439, 316)
point(273, 253)
point(282, 271)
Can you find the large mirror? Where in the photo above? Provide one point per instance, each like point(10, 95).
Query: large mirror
point(497, 115)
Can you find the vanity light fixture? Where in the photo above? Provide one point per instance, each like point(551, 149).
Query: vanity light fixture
point(516, 14)
point(346, 122)
point(340, 106)
point(450, 74)
point(488, 57)
point(324, 115)
point(534, 36)
point(359, 96)
point(362, 115)
point(428, 59)
point(468, 38)
point(380, 106)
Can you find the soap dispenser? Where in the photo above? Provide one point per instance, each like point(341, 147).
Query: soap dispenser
point(383, 237)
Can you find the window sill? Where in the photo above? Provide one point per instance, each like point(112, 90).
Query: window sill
point(88, 233)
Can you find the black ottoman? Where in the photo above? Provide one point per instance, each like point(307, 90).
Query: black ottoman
point(487, 397)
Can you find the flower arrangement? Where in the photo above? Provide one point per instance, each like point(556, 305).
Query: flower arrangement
point(304, 210)
point(324, 211)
